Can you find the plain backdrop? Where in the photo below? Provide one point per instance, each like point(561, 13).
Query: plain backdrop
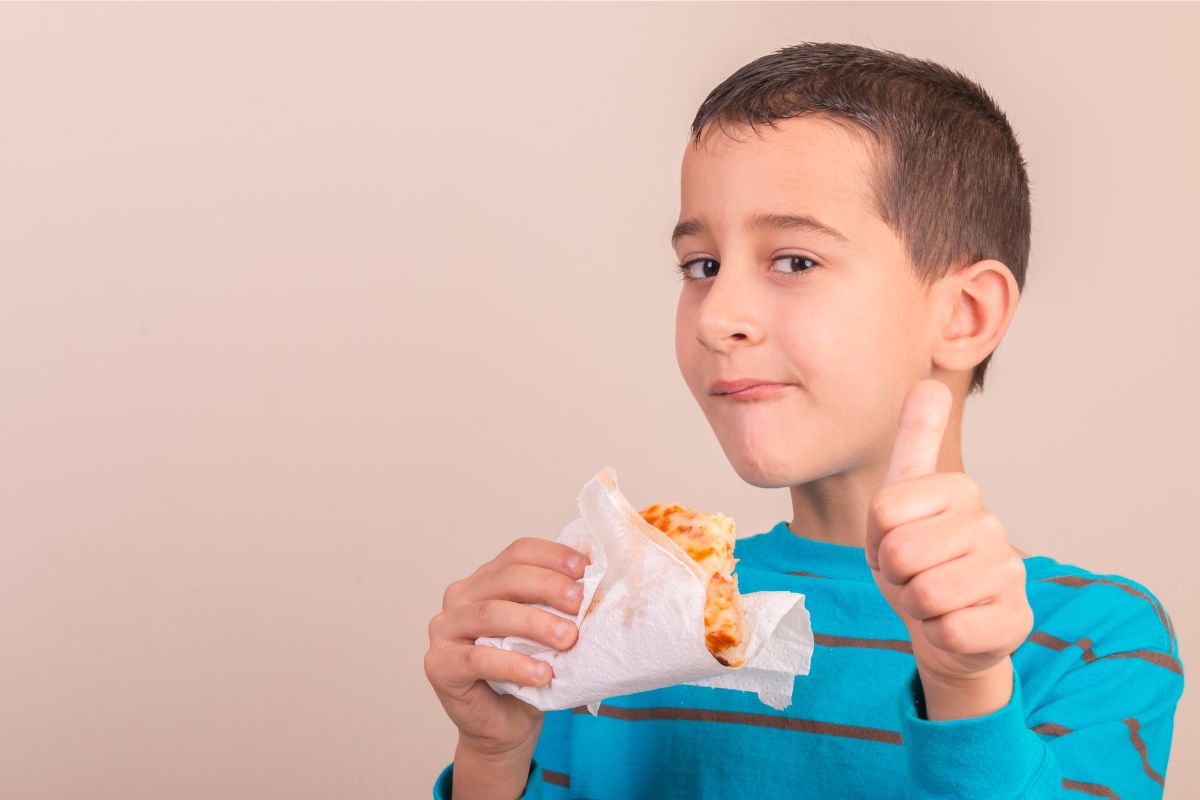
point(306, 310)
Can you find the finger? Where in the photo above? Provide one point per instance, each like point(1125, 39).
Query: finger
point(526, 550)
point(461, 665)
point(495, 617)
point(544, 553)
point(912, 500)
point(524, 583)
point(991, 629)
point(917, 546)
point(923, 420)
point(966, 581)
point(924, 496)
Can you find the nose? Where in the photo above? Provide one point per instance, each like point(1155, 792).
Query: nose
point(727, 317)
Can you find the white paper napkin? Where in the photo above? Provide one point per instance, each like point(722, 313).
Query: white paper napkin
point(641, 621)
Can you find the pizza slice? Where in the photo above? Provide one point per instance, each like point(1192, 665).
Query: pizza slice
point(709, 539)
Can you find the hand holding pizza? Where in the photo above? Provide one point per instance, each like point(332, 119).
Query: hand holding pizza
point(497, 733)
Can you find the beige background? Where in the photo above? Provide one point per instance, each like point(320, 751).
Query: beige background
point(307, 310)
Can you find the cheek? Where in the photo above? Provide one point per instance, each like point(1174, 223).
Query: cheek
point(846, 359)
point(846, 349)
point(829, 348)
point(687, 348)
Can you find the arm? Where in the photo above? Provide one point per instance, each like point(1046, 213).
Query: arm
point(475, 777)
point(943, 562)
point(1103, 730)
point(552, 750)
point(499, 733)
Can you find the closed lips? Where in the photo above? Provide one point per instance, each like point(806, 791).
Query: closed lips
point(731, 386)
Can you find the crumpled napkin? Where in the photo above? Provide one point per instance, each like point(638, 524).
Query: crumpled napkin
point(641, 620)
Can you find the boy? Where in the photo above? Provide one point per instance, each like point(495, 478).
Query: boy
point(848, 271)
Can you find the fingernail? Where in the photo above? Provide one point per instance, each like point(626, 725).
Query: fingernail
point(560, 630)
point(573, 562)
point(574, 591)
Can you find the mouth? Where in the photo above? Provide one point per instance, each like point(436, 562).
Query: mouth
point(755, 391)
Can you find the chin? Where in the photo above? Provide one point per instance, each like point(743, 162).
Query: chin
point(763, 480)
point(766, 466)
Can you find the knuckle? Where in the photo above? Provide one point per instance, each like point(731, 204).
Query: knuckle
point(1027, 620)
point(924, 595)
point(451, 594)
point(965, 484)
point(508, 668)
point(435, 622)
point(505, 581)
point(955, 635)
point(431, 666)
point(880, 509)
point(991, 523)
point(517, 670)
point(487, 612)
point(531, 622)
point(512, 551)
point(950, 633)
point(478, 661)
point(528, 547)
point(895, 553)
point(473, 660)
point(506, 574)
point(1015, 569)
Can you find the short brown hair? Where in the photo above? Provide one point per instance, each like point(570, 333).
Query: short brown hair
point(949, 177)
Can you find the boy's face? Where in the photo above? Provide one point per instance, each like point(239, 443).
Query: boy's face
point(848, 336)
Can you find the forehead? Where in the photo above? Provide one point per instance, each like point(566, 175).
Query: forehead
point(808, 165)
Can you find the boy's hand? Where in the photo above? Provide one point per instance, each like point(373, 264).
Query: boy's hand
point(492, 601)
point(941, 559)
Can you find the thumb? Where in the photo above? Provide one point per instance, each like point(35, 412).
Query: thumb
point(919, 438)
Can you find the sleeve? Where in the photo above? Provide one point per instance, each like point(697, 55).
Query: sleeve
point(1104, 730)
point(552, 750)
point(533, 789)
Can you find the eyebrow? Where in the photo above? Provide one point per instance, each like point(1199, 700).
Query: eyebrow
point(765, 220)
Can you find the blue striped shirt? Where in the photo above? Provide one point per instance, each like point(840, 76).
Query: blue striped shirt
point(1095, 686)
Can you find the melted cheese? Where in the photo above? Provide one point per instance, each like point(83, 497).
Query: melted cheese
point(709, 539)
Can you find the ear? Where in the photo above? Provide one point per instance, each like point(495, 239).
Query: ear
point(979, 302)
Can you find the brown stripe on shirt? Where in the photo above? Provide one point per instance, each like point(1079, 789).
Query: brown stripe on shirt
point(1156, 657)
point(902, 645)
point(806, 574)
point(1051, 728)
point(1055, 643)
point(557, 778)
point(1094, 789)
point(1153, 656)
point(1075, 581)
point(1140, 746)
point(745, 718)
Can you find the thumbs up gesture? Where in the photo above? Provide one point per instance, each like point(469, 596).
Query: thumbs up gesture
point(941, 559)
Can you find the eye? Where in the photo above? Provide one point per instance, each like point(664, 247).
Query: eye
point(686, 268)
point(801, 259)
point(688, 275)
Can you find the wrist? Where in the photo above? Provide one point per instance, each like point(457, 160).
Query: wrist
point(481, 775)
point(968, 695)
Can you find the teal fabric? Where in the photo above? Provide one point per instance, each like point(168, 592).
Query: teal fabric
point(1095, 689)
